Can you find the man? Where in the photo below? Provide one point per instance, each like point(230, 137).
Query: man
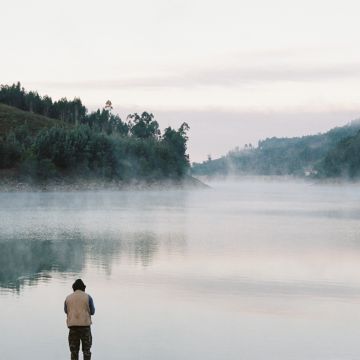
point(79, 307)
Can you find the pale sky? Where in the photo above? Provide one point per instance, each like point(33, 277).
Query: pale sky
point(236, 71)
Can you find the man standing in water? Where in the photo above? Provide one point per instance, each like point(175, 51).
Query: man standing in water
point(79, 307)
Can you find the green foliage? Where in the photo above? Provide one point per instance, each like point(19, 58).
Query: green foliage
point(300, 156)
point(79, 144)
point(143, 126)
point(45, 169)
point(68, 111)
point(16, 96)
point(81, 151)
point(77, 148)
point(343, 160)
point(11, 119)
point(9, 152)
point(103, 120)
point(176, 161)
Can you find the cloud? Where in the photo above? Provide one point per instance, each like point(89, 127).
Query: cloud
point(221, 77)
point(238, 76)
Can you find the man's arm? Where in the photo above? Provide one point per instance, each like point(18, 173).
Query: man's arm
point(65, 307)
point(91, 306)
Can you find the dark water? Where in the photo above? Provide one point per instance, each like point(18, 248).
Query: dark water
point(247, 270)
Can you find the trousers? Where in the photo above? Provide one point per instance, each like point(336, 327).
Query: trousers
point(79, 334)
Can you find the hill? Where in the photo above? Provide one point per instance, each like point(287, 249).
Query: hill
point(60, 141)
point(298, 156)
point(12, 118)
point(343, 160)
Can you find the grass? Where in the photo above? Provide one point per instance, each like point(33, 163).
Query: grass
point(11, 118)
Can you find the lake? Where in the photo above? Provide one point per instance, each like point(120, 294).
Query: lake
point(251, 269)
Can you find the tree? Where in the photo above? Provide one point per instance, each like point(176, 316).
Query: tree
point(176, 140)
point(144, 126)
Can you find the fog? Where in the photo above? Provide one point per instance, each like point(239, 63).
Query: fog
point(187, 271)
point(264, 258)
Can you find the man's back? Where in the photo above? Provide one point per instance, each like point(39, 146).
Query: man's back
point(78, 309)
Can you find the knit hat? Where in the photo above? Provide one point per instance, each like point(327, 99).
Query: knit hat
point(78, 285)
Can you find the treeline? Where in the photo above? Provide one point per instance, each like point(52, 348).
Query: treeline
point(97, 144)
point(321, 155)
point(71, 112)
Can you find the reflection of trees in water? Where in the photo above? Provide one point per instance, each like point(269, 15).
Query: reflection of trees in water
point(143, 248)
point(137, 247)
point(26, 261)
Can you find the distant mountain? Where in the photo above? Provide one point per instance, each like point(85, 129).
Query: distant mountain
point(333, 153)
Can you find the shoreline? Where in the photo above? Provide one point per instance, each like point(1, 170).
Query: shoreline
point(280, 179)
point(11, 184)
point(74, 185)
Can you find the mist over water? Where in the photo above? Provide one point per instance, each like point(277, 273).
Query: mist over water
point(248, 269)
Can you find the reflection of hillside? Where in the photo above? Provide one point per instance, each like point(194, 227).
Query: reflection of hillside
point(25, 261)
point(139, 247)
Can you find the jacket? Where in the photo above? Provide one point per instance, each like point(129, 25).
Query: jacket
point(79, 307)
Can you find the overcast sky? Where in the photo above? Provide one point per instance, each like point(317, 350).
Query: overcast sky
point(236, 71)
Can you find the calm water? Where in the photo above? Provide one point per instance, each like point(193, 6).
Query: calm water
point(247, 270)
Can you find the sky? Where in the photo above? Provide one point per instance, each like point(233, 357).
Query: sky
point(236, 71)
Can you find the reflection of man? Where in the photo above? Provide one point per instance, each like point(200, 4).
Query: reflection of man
point(79, 307)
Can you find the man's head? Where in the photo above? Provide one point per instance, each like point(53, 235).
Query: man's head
point(78, 285)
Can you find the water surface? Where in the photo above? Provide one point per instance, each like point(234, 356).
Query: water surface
point(245, 270)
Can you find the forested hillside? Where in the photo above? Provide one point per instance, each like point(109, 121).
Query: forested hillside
point(12, 118)
point(333, 153)
point(343, 160)
point(45, 139)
